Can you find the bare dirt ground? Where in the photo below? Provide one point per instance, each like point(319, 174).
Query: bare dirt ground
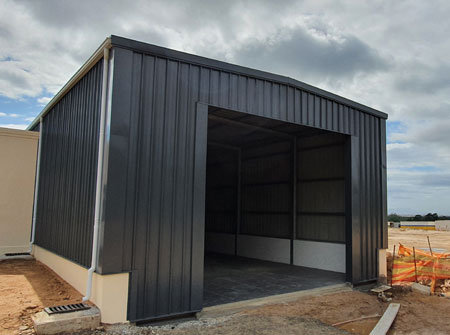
point(26, 286)
point(418, 238)
point(418, 314)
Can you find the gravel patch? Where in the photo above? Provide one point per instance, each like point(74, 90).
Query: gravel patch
point(230, 325)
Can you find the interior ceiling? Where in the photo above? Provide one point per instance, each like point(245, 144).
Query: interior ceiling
point(240, 129)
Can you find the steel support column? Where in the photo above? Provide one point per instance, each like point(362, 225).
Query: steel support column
point(294, 197)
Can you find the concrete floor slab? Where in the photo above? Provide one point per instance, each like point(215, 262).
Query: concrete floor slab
point(229, 279)
point(233, 307)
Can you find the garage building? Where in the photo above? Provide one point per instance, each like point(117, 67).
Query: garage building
point(199, 182)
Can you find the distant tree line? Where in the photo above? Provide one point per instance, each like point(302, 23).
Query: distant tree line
point(428, 217)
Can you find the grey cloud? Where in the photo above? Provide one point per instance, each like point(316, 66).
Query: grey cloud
point(76, 14)
point(420, 78)
point(438, 133)
point(302, 55)
point(150, 35)
point(4, 31)
point(419, 192)
point(186, 15)
point(434, 132)
point(227, 15)
point(436, 180)
point(385, 54)
point(434, 108)
point(418, 171)
point(431, 181)
point(16, 79)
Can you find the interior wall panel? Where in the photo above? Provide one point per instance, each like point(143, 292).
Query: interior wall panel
point(221, 190)
point(321, 188)
point(267, 190)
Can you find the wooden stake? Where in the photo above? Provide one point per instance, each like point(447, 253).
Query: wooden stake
point(357, 319)
point(429, 244)
point(392, 265)
point(415, 266)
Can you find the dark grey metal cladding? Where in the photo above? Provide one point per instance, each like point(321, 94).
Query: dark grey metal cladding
point(156, 133)
point(267, 190)
point(120, 174)
point(150, 49)
point(221, 189)
point(372, 197)
point(321, 188)
point(65, 211)
point(267, 194)
point(366, 198)
point(158, 201)
point(37, 127)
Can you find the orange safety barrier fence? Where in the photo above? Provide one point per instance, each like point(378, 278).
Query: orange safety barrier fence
point(423, 267)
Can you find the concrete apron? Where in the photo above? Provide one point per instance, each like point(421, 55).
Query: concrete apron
point(238, 306)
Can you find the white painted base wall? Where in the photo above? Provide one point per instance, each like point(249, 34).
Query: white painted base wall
point(220, 242)
point(311, 254)
point(264, 248)
point(320, 255)
point(109, 292)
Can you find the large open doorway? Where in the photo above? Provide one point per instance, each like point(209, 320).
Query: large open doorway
point(275, 208)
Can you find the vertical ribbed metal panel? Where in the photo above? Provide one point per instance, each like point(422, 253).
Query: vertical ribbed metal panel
point(372, 177)
point(321, 188)
point(266, 184)
point(162, 264)
point(267, 190)
point(221, 190)
point(65, 211)
point(159, 94)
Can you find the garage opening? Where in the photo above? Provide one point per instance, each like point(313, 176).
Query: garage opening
point(275, 218)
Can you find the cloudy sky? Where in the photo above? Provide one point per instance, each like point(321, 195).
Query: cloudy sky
point(390, 55)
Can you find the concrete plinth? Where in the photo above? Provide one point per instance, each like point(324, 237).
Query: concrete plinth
point(109, 292)
point(45, 324)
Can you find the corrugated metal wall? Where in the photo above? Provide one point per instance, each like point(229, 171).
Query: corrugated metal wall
point(371, 133)
point(221, 190)
point(159, 96)
point(65, 211)
point(266, 186)
point(321, 188)
point(267, 190)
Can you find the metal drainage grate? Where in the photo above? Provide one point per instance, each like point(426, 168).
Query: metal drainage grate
point(66, 308)
point(9, 254)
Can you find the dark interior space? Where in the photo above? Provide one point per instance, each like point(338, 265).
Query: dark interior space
point(275, 207)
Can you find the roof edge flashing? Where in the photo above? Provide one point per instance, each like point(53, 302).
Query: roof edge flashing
point(90, 62)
